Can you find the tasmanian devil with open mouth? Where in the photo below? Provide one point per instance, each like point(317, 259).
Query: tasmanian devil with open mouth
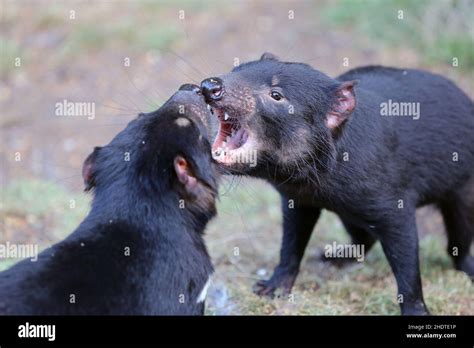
point(140, 250)
point(327, 143)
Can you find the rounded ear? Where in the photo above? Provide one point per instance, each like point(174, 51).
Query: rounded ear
point(343, 105)
point(185, 174)
point(268, 55)
point(89, 169)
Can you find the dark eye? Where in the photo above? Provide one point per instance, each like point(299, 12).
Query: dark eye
point(276, 95)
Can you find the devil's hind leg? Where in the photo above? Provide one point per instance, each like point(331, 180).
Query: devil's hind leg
point(457, 209)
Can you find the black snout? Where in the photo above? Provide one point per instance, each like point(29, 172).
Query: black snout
point(190, 87)
point(212, 89)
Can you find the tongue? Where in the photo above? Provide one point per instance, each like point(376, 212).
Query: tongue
point(237, 140)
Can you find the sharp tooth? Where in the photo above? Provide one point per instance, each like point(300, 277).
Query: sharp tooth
point(227, 139)
point(226, 116)
point(208, 107)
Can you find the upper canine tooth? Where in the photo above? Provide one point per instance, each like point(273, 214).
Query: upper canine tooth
point(208, 107)
point(226, 116)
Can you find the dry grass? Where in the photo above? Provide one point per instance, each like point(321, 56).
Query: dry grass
point(250, 221)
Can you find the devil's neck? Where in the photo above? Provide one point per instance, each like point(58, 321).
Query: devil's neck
point(151, 212)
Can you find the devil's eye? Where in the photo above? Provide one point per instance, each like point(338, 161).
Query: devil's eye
point(276, 95)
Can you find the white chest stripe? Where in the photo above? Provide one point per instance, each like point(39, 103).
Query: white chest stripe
point(203, 293)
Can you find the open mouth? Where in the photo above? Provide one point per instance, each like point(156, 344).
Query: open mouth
point(231, 134)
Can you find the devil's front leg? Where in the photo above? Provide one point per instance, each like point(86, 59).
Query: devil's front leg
point(298, 224)
point(399, 238)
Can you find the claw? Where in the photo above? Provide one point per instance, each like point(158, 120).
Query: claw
point(263, 288)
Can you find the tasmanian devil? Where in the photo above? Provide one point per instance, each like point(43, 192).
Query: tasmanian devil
point(371, 145)
point(140, 250)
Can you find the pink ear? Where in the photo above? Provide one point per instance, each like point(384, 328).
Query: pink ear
point(343, 106)
point(184, 174)
point(88, 170)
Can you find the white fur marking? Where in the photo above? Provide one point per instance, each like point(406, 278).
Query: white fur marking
point(182, 122)
point(203, 293)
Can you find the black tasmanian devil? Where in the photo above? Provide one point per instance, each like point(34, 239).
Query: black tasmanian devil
point(140, 250)
point(371, 145)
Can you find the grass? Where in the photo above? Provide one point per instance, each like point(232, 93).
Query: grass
point(36, 211)
point(244, 244)
point(105, 29)
point(249, 219)
point(87, 37)
point(440, 30)
point(9, 51)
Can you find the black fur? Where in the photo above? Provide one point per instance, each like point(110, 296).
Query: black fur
point(137, 252)
point(390, 158)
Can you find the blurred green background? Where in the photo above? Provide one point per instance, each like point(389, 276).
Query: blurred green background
point(75, 50)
